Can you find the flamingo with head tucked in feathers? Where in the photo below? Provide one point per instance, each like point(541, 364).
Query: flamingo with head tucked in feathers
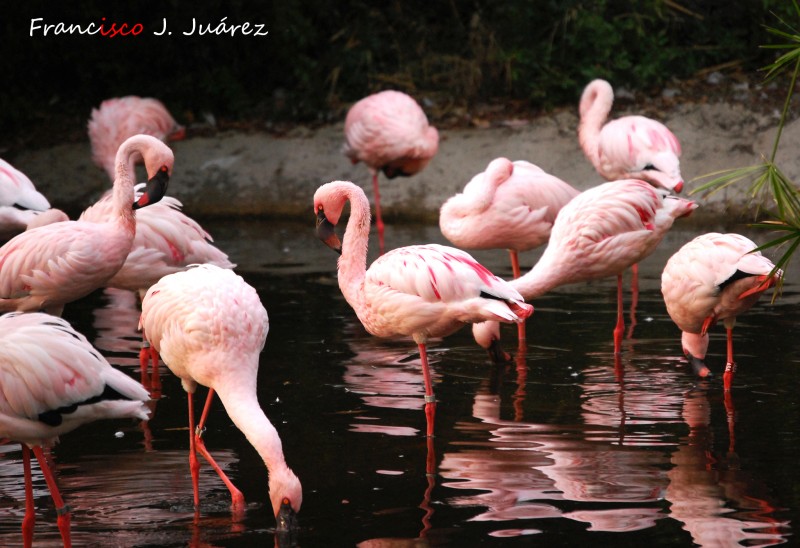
point(598, 234)
point(119, 118)
point(49, 266)
point(510, 205)
point(715, 277)
point(421, 291)
point(389, 132)
point(210, 327)
point(52, 381)
point(630, 147)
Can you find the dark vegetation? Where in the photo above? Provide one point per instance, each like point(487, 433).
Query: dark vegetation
point(456, 56)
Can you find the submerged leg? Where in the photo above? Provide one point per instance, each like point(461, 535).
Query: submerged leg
point(62, 510)
point(30, 512)
point(378, 216)
point(430, 399)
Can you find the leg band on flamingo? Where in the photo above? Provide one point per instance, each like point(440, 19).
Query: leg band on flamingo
point(430, 398)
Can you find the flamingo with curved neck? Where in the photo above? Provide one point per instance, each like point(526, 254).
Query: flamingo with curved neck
point(210, 327)
point(629, 147)
point(49, 266)
point(418, 291)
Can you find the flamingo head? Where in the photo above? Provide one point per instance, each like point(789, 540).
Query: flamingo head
point(695, 346)
point(326, 233)
point(286, 497)
point(156, 188)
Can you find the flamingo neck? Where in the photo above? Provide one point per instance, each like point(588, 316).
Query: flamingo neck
point(595, 105)
point(124, 182)
point(538, 281)
point(353, 262)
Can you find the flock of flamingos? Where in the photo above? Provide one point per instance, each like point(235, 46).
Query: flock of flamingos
point(209, 326)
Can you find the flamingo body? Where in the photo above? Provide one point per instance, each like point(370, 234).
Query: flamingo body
point(598, 234)
point(46, 267)
point(511, 205)
point(420, 291)
point(715, 277)
point(119, 118)
point(389, 132)
point(210, 327)
point(52, 381)
point(630, 147)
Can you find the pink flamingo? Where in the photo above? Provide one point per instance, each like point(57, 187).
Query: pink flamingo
point(49, 266)
point(714, 277)
point(421, 291)
point(210, 327)
point(52, 381)
point(122, 117)
point(20, 202)
point(389, 132)
point(630, 147)
point(598, 234)
point(510, 205)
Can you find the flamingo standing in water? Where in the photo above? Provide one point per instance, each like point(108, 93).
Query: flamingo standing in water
point(20, 202)
point(509, 205)
point(599, 233)
point(389, 132)
point(714, 277)
point(421, 291)
point(51, 381)
point(630, 147)
point(122, 117)
point(167, 240)
point(49, 266)
point(210, 327)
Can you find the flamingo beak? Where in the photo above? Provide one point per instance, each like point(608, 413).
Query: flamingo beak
point(698, 366)
point(156, 188)
point(497, 355)
point(286, 518)
point(326, 233)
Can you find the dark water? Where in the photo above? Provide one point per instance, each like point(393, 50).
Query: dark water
point(567, 446)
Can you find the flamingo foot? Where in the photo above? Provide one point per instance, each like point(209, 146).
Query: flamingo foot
point(727, 377)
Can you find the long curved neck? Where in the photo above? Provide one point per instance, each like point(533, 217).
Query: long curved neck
point(241, 404)
point(538, 281)
point(124, 181)
point(353, 262)
point(594, 108)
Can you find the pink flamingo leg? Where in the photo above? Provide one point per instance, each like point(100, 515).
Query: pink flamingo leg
point(430, 399)
point(194, 464)
point(634, 297)
point(30, 512)
point(378, 216)
point(237, 499)
point(62, 510)
point(517, 273)
point(730, 367)
point(620, 320)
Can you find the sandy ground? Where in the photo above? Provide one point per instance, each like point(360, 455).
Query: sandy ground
point(232, 173)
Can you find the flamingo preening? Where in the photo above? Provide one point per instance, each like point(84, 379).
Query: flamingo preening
point(51, 381)
point(209, 327)
point(510, 205)
point(598, 234)
point(715, 277)
point(20, 202)
point(421, 291)
point(389, 132)
point(49, 266)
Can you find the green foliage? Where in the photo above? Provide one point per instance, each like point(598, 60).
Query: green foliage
point(320, 56)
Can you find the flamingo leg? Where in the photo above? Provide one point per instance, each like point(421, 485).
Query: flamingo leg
point(730, 367)
point(237, 498)
point(62, 510)
point(194, 464)
point(378, 216)
point(430, 475)
point(430, 399)
point(618, 330)
point(517, 273)
point(634, 297)
point(30, 512)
